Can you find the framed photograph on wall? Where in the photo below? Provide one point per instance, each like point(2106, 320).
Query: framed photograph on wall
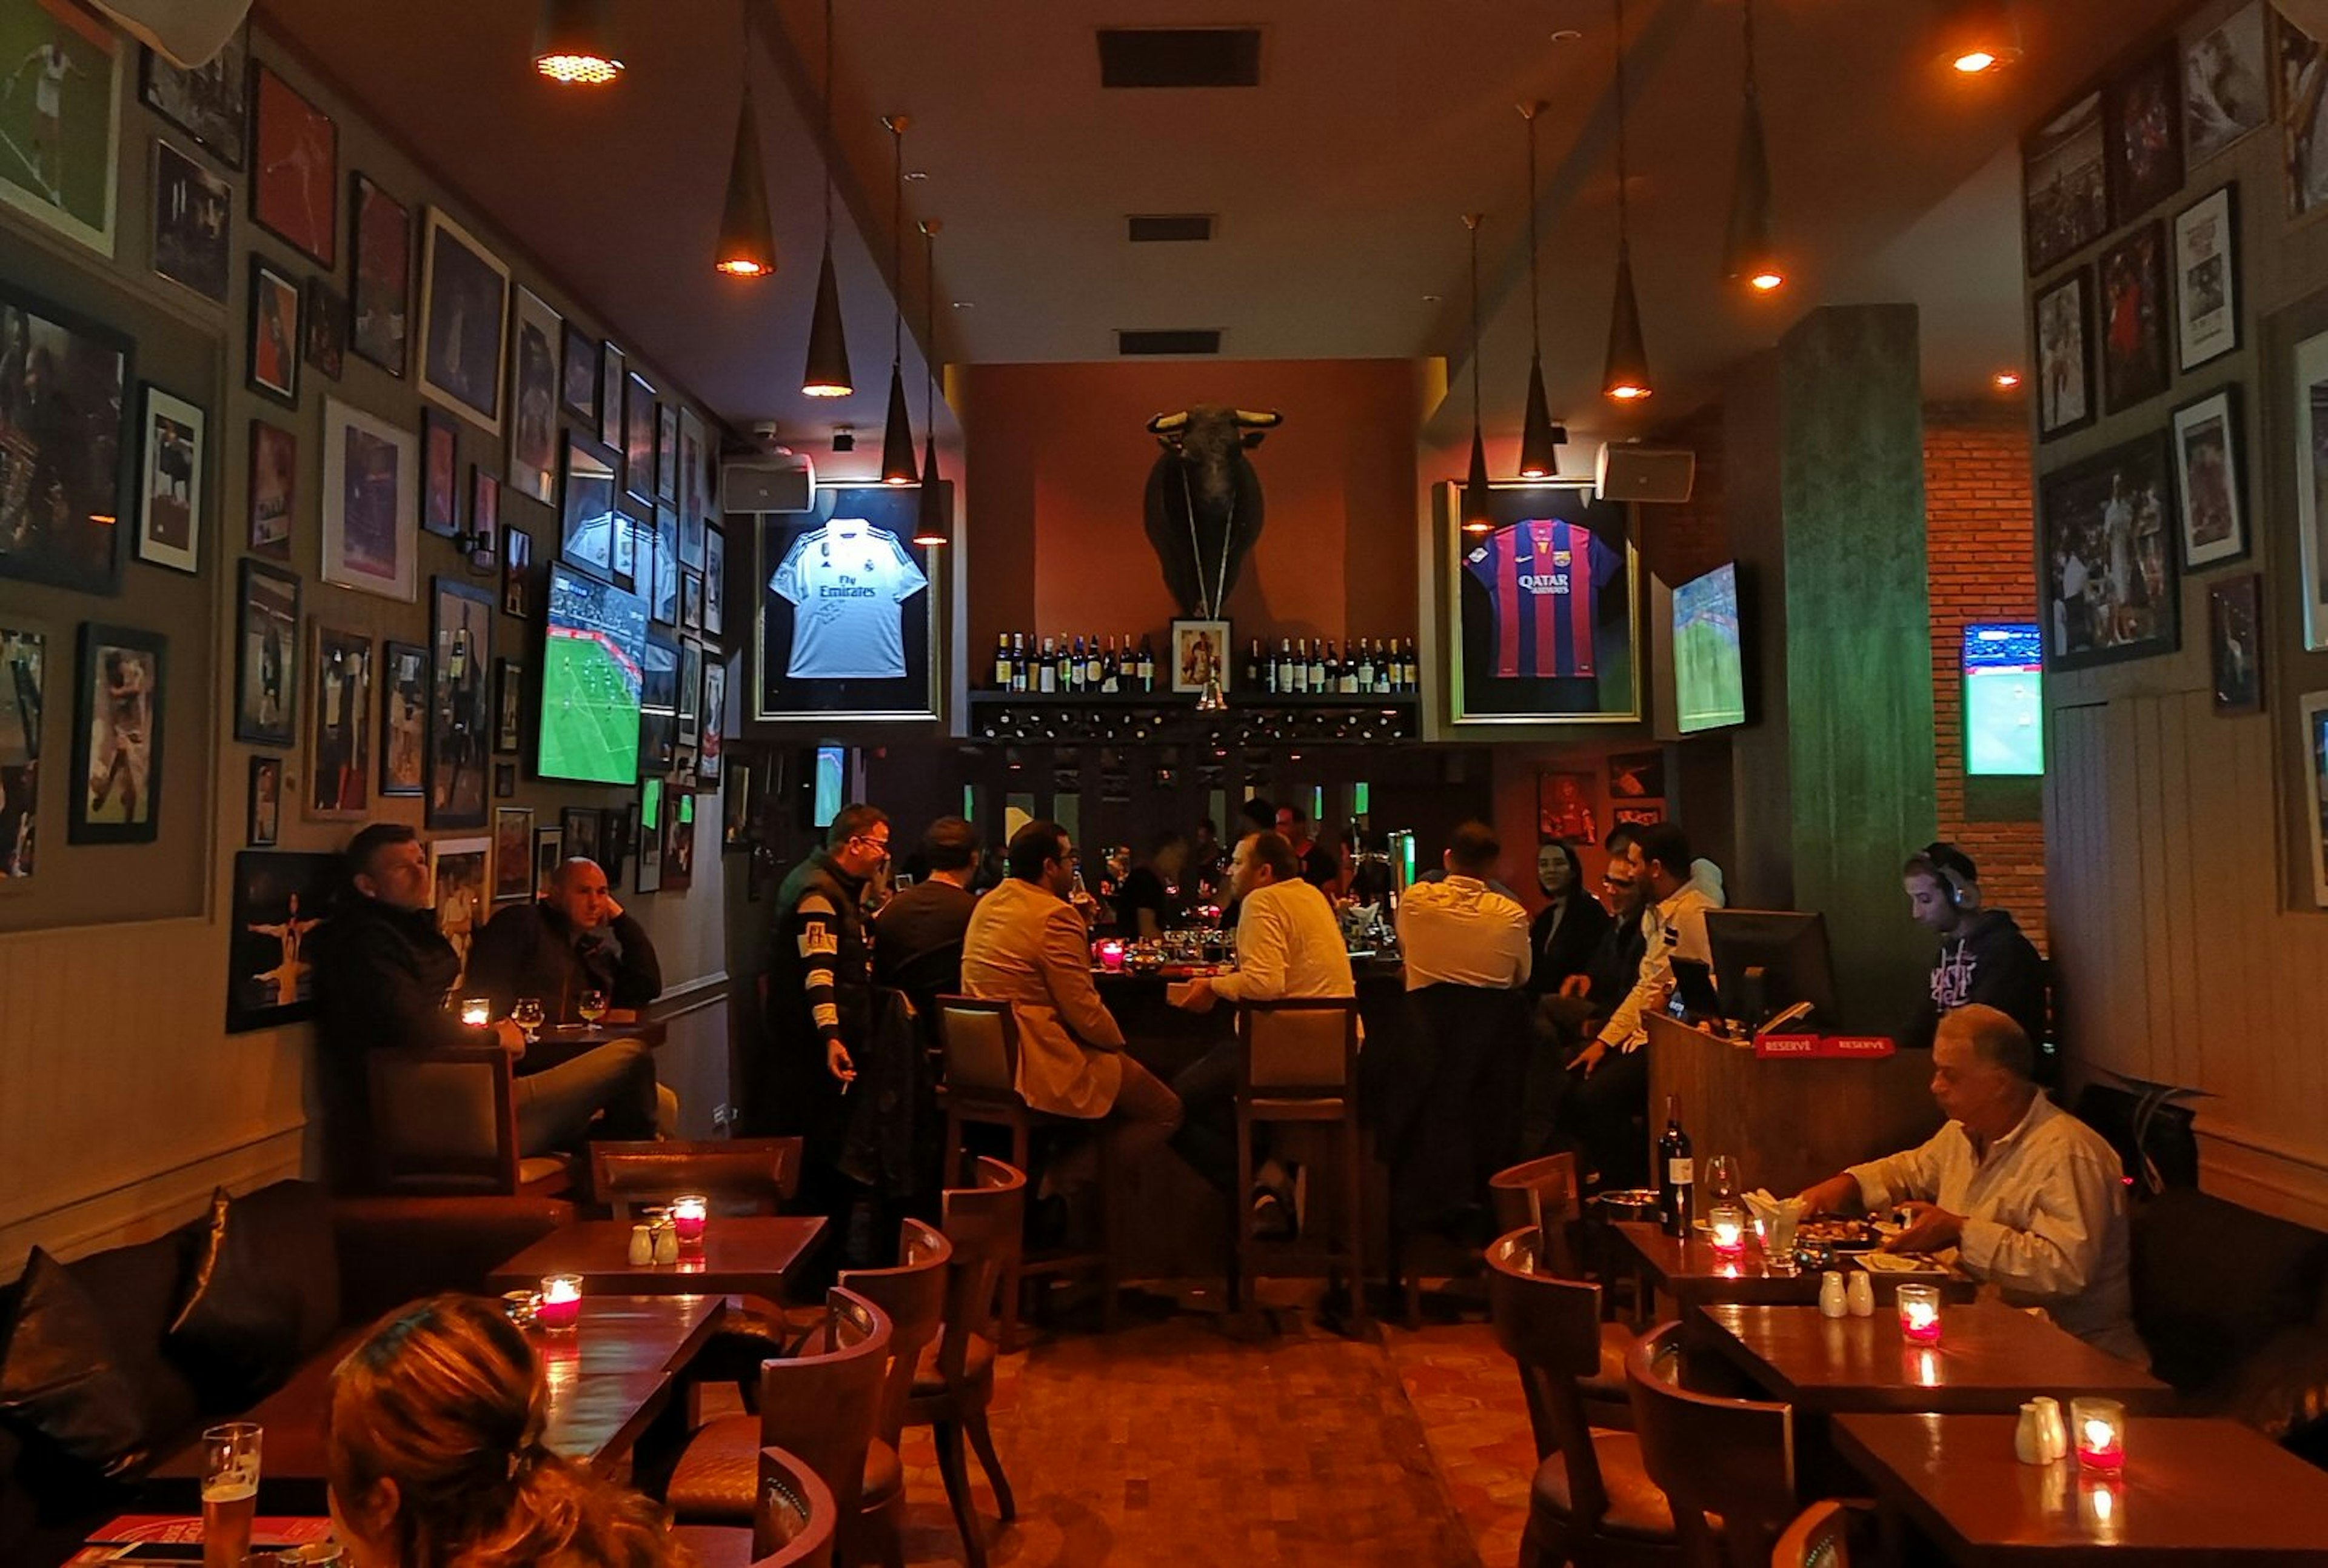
point(295, 175)
point(504, 781)
point(628, 527)
point(1201, 654)
point(663, 593)
point(210, 102)
point(2314, 712)
point(512, 853)
point(709, 738)
point(1541, 609)
point(1564, 808)
point(267, 655)
point(509, 693)
point(264, 821)
point(460, 703)
point(370, 521)
point(517, 572)
point(586, 511)
point(548, 854)
point(339, 724)
point(2132, 275)
point(615, 843)
point(612, 366)
point(577, 383)
point(326, 328)
point(119, 702)
point(667, 452)
point(2065, 355)
point(692, 442)
point(272, 335)
point(274, 489)
point(1636, 776)
point(580, 827)
point(170, 497)
point(639, 437)
point(715, 576)
point(440, 475)
point(22, 699)
point(281, 901)
point(691, 692)
point(194, 219)
point(87, 443)
point(2235, 643)
point(2208, 479)
point(690, 600)
point(2226, 84)
point(2302, 110)
point(464, 291)
point(2106, 526)
point(533, 400)
point(2310, 404)
point(651, 809)
point(2065, 192)
point(460, 887)
point(2142, 111)
point(2207, 278)
point(379, 282)
point(64, 124)
point(403, 717)
point(871, 652)
point(484, 534)
point(678, 841)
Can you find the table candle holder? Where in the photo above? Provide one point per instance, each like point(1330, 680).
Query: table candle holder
point(1727, 1224)
point(2098, 1426)
point(1111, 956)
point(560, 1306)
point(1919, 1314)
point(687, 1214)
point(477, 1011)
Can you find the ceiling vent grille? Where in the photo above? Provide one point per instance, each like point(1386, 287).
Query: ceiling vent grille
point(1180, 56)
point(1167, 227)
point(1169, 340)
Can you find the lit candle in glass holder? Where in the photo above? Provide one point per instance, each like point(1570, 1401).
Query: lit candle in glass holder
point(1111, 956)
point(687, 1216)
point(2100, 1426)
point(561, 1301)
point(477, 1011)
point(1728, 1226)
point(1919, 1313)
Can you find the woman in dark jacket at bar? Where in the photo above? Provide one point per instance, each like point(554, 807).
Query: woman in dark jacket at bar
point(1566, 930)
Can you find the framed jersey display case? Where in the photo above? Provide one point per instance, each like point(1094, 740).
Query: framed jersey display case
point(846, 626)
point(1542, 610)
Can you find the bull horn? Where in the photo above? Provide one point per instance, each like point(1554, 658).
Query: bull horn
point(1165, 424)
point(1247, 419)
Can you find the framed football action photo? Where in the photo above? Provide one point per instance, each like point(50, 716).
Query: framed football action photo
point(339, 724)
point(266, 655)
point(2207, 479)
point(464, 302)
point(2235, 643)
point(2106, 535)
point(118, 704)
point(2065, 355)
point(460, 704)
point(296, 186)
point(2135, 363)
point(170, 498)
point(80, 433)
point(845, 619)
point(1541, 609)
point(403, 717)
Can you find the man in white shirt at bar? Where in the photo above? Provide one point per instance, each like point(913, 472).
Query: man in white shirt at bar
point(1458, 930)
point(2033, 1199)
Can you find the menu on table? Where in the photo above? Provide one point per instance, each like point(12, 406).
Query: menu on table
point(121, 1540)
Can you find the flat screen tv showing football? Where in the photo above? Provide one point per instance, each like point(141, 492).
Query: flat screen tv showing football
point(831, 781)
point(2004, 699)
point(1709, 665)
point(593, 669)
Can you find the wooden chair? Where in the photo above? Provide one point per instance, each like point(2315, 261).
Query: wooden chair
point(1540, 1195)
point(1726, 1466)
point(913, 1296)
point(1298, 1062)
point(762, 1172)
point(1592, 1500)
point(953, 1391)
point(980, 1041)
point(1821, 1535)
point(444, 1121)
point(793, 1526)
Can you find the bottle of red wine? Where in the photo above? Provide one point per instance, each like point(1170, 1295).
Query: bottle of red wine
point(1677, 1173)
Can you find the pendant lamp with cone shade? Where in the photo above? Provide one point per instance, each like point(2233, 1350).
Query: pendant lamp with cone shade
point(747, 239)
point(827, 374)
point(1749, 258)
point(572, 43)
point(933, 519)
point(1478, 514)
point(1540, 438)
point(1626, 378)
point(897, 433)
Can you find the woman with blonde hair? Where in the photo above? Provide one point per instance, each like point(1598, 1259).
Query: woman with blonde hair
point(436, 1458)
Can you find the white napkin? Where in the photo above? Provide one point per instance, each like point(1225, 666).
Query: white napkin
point(1768, 1210)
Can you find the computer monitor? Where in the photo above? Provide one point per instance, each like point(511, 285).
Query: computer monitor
point(1766, 961)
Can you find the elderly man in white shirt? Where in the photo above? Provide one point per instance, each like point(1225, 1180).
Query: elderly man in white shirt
point(1458, 930)
point(2033, 1199)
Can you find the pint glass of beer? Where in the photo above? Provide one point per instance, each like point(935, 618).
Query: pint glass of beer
point(230, 1492)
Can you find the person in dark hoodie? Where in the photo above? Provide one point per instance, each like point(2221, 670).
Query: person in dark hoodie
point(1983, 956)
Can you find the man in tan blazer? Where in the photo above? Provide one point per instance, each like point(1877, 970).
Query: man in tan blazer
point(1028, 946)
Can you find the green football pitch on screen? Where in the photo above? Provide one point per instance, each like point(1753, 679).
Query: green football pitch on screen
point(590, 713)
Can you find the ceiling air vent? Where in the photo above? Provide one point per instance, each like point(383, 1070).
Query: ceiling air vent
point(1166, 228)
point(1180, 56)
point(1169, 340)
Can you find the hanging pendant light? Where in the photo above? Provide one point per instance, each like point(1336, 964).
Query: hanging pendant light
point(1749, 258)
point(933, 519)
point(1625, 378)
point(1540, 438)
point(572, 43)
point(1479, 510)
point(827, 375)
point(1978, 36)
point(897, 433)
point(747, 239)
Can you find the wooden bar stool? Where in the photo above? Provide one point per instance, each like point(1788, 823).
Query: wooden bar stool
point(980, 1040)
point(1299, 1062)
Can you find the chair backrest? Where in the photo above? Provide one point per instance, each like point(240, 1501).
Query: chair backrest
point(981, 1042)
point(913, 1296)
point(1540, 1195)
point(1819, 1537)
point(984, 1221)
point(794, 1524)
point(443, 1119)
point(1550, 1327)
point(1734, 1459)
point(824, 1404)
point(761, 1172)
point(1301, 1048)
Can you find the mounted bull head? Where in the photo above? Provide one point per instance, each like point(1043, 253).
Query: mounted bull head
point(1204, 501)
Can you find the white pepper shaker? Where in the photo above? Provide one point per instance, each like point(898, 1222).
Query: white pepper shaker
point(642, 1245)
point(1861, 1294)
point(1833, 1304)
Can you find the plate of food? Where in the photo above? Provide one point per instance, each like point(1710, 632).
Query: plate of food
point(1901, 1264)
point(1841, 1235)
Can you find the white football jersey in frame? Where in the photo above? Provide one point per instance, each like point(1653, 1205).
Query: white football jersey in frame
point(847, 582)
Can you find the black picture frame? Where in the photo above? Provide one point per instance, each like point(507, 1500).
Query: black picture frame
point(284, 188)
point(2235, 643)
point(794, 676)
point(633, 522)
point(2209, 294)
point(577, 375)
point(379, 276)
point(613, 365)
point(715, 584)
point(324, 327)
point(666, 487)
point(2062, 329)
point(440, 473)
point(465, 298)
point(483, 536)
point(403, 687)
point(651, 804)
point(133, 664)
point(460, 704)
point(192, 212)
point(580, 826)
point(2209, 443)
point(2142, 116)
point(263, 813)
point(2064, 184)
point(586, 510)
point(509, 709)
point(517, 572)
point(87, 552)
point(615, 843)
point(663, 593)
point(639, 438)
point(1589, 541)
point(273, 345)
point(504, 780)
point(210, 102)
point(341, 676)
point(2109, 588)
point(281, 898)
point(2134, 311)
point(266, 655)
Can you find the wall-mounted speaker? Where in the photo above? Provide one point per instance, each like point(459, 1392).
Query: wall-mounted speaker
point(1654, 473)
point(775, 481)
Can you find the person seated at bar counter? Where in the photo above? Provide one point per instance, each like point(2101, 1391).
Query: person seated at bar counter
point(383, 973)
point(575, 938)
point(918, 936)
point(1149, 902)
point(1983, 956)
point(1459, 930)
point(436, 1457)
point(2033, 1199)
point(1567, 931)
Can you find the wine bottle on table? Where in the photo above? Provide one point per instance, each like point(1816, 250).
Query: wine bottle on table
point(1677, 1172)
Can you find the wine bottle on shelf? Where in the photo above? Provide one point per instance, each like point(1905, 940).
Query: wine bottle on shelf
point(1365, 666)
point(1017, 681)
point(1002, 661)
point(1346, 681)
point(1317, 667)
point(1413, 673)
point(1147, 666)
point(1284, 667)
point(1252, 679)
point(1110, 674)
point(1047, 672)
point(1095, 671)
point(1677, 1172)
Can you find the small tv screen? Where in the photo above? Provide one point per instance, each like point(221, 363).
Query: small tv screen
point(831, 773)
point(593, 669)
point(2004, 699)
point(1709, 667)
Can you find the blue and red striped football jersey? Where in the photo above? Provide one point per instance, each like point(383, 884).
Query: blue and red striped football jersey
point(1542, 578)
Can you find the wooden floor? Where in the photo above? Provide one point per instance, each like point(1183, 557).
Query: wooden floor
point(1184, 1439)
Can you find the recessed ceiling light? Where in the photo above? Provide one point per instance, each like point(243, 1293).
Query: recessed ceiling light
point(1431, 300)
point(965, 304)
point(2006, 381)
point(1566, 35)
point(917, 173)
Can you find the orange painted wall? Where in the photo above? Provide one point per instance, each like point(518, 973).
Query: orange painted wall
point(1058, 459)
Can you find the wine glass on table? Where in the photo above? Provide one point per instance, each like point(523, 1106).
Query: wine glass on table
point(527, 1016)
point(592, 1006)
point(1721, 1179)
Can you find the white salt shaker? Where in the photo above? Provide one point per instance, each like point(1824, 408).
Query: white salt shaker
point(2055, 1430)
point(666, 1242)
point(1833, 1304)
point(1861, 1294)
point(2029, 1437)
point(642, 1245)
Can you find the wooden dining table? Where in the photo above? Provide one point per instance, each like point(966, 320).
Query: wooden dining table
point(554, 1045)
point(2192, 1491)
point(741, 1255)
point(1689, 1272)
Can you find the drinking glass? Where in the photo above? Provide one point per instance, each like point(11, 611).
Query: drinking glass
point(527, 1015)
point(592, 1006)
point(1721, 1179)
point(230, 1492)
